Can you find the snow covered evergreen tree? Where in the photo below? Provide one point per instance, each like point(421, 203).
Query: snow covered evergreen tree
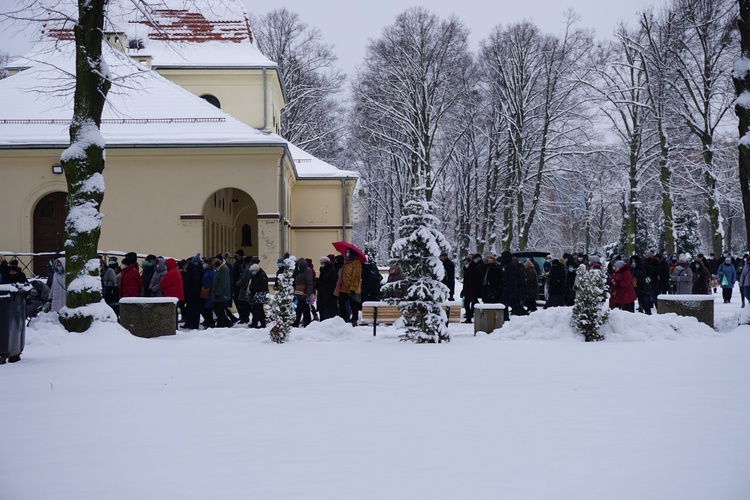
point(688, 238)
point(282, 303)
point(417, 252)
point(590, 311)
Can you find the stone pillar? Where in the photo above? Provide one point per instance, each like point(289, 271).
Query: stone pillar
point(700, 307)
point(269, 250)
point(488, 317)
point(149, 317)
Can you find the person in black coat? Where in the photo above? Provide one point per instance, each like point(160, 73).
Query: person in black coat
point(472, 289)
point(449, 279)
point(638, 274)
point(492, 281)
point(325, 285)
point(371, 280)
point(191, 287)
point(662, 270)
point(149, 269)
point(257, 292)
point(650, 287)
point(513, 286)
point(556, 284)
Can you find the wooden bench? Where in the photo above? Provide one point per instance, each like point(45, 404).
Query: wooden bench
point(383, 313)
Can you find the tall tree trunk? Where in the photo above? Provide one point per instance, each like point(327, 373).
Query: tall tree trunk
point(714, 210)
point(83, 164)
point(667, 206)
point(741, 78)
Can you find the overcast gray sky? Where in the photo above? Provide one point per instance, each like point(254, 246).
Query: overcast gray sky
point(348, 25)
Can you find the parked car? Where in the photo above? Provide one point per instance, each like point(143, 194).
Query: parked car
point(538, 258)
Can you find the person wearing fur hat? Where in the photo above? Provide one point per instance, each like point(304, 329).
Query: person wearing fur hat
point(682, 276)
point(622, 292)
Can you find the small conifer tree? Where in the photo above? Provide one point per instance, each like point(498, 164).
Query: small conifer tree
point(590, 311)
point(417, 252)
point(282, 303)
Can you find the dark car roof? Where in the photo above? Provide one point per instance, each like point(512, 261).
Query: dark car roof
point(530, 253)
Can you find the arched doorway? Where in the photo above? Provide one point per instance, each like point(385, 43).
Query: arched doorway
point(49, 229)
point(230, 222)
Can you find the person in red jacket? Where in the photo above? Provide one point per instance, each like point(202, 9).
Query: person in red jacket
point(130, 279)
point(171, 283)
point(622, 292)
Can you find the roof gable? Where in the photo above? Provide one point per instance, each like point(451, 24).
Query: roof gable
point(182, 25)
point(175, 33)
point(145, 109)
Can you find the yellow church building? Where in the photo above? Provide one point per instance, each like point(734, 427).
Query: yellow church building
point(194, 160)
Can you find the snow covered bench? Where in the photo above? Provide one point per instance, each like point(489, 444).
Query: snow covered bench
point(382, 313)
point(700, 307)
point(149, 317)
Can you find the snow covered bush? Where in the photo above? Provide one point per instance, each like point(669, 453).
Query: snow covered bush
point(282, 303)
point(417, 252)
point(590, 310)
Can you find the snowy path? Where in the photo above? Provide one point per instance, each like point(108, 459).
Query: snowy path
point(334, 414)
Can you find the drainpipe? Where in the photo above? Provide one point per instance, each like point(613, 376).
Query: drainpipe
point(265, 100)
point(343, 209)
point(282, 203)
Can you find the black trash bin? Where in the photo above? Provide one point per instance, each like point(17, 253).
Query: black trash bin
point(12, 323)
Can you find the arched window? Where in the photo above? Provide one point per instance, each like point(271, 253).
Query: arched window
point(212, 99)
point(247, 235)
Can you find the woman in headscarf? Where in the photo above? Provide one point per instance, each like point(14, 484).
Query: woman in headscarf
point(59, 290)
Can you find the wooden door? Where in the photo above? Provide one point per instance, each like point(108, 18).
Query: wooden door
point(49, 229)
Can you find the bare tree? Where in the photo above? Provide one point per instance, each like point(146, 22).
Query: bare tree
point(312, 119)
point(703, 55)
point(409, 85)
point(534, 82)
point(622, 86)
point(657, 60)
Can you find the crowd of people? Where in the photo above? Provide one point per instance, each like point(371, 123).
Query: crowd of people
point(519, 285)
point(208, 288)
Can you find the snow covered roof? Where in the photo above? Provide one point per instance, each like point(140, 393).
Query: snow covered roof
point(143, 109)
point(175, 33)
point(311, 167)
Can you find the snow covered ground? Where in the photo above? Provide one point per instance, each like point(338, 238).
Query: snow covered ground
point(658, 411)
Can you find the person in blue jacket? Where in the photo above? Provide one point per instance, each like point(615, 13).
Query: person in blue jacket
point(727, 275)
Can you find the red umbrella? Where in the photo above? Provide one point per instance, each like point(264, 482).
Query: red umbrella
point(343, 246)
